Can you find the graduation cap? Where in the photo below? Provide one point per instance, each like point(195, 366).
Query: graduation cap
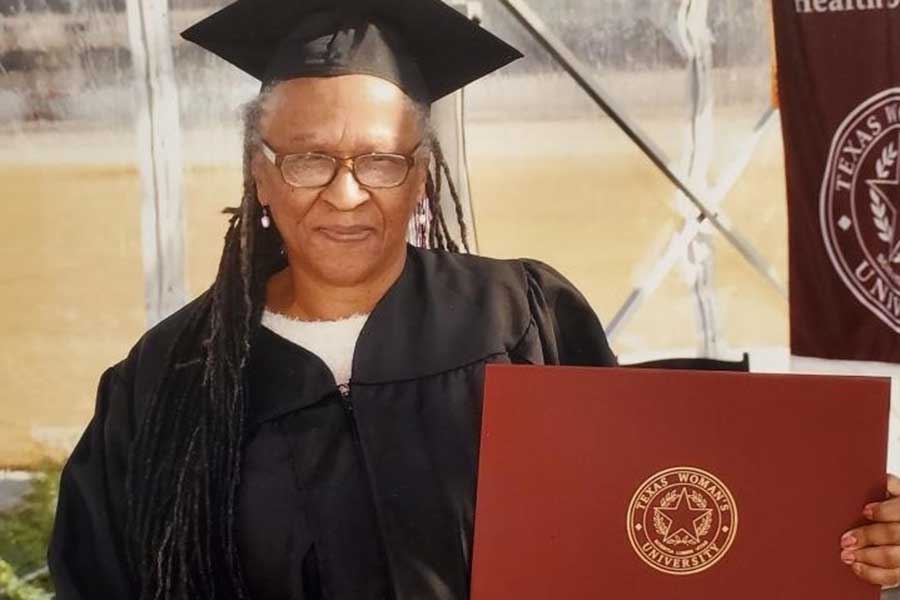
point(425, 47)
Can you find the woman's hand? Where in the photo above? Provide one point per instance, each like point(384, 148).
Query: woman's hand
point(873, 551)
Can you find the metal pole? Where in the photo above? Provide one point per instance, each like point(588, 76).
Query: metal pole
point(448, 122)
point(159, 158)
point(696, 38)
point(679, 243)
point(586, 80)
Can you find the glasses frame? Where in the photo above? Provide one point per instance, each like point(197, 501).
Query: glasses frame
point(277, 159)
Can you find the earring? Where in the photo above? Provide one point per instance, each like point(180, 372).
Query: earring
point(420, 222)
point(265, 220)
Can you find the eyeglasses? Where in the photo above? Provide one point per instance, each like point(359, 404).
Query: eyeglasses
point(315, 169)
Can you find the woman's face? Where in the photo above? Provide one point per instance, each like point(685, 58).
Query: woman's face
point(342, 234)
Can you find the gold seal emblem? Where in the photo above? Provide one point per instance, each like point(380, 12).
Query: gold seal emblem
point(682, 520)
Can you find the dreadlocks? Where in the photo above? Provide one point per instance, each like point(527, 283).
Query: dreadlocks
point(184, 464)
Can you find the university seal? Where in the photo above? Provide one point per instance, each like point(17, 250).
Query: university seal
point(682, 520)
point(859, 205)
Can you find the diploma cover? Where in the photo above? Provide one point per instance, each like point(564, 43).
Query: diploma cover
point(602, 483)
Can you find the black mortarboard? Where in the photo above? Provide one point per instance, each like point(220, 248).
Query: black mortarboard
point(424, 46)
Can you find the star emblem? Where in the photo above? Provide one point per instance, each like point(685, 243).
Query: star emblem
point(885, 197)
point(682, 520)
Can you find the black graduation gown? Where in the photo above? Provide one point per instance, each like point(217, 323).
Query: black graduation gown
point(359, 493)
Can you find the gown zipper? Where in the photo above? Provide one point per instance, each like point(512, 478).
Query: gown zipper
point(344, 389)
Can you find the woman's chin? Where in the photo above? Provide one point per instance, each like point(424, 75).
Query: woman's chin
point(350, 268)
point(350, 262)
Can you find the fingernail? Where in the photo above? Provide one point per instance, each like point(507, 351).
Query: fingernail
point(848, 540)
point(869, 510)
point(857, 568)
point(848, 557)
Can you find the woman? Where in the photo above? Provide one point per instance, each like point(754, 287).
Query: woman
point(308, 427)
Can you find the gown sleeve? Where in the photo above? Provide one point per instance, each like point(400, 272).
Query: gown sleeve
point(86, 555)
point(570, 332)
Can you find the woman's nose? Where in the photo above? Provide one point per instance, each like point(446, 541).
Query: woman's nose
point(344, 192)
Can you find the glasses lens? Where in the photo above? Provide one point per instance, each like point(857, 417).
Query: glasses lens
point(381, 170)
point(308, 170)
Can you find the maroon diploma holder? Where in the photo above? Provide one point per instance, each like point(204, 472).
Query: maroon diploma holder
point(598, 483)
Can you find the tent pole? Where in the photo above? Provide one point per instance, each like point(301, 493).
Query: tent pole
point(586, 80)
point(680, 241)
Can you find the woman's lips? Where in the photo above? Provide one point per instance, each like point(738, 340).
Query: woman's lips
point(346, 234)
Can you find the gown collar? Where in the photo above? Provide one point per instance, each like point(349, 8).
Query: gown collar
point(443, 312)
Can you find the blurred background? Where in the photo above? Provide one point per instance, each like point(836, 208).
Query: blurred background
point(86, 139)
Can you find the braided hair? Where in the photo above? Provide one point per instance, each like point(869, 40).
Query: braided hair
point(184, 463)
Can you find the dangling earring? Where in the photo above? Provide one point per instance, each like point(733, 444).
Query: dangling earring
point(420, 219)
point(265, 220)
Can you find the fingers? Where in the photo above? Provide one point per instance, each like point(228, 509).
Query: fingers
point(877, 575)
point(893, 484)
point(873, 551)
point(884, 512)
point(878, 534)
point(886, 557)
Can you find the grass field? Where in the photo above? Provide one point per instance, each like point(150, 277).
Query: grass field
point(575, 194)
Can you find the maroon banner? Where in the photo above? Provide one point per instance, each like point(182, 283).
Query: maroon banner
point(839, 92)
